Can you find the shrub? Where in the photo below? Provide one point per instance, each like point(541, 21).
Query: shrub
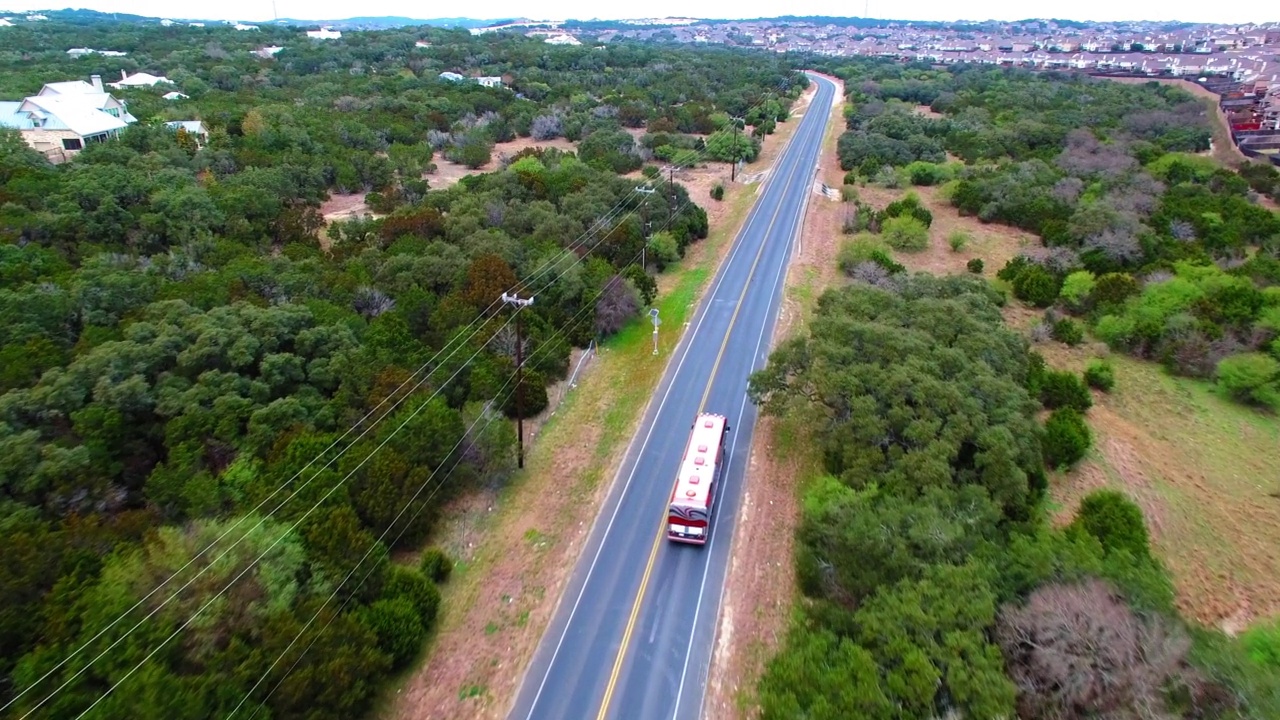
point(851, 178)
point(412, 585)
point(909, 206)
point(717, 192)
point(905, 233)
point(436, 565)
point(398, 627)
point(1062, 389)
point(958, 240)
point(1076, 290)
point(864, 248)
point(1100, 375)
point(1251, 377)
point(887, 177)
point(532, 392)
point(1115, 520)
point(1067, 331)
point(1066, 438)
point(1036, 286)
point(849, 193)
point(651, 171)
point(1113, 289)
point(975, 266)
point(927, 173)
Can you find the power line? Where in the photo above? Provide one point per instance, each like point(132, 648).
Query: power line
point(545, 268)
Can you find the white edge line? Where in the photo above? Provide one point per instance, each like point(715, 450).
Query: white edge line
point(686, 342)
point(777, 286)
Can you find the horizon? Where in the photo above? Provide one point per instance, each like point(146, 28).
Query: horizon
point(249, 11)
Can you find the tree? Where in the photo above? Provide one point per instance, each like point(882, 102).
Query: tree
point(487, 279)
point(1066, 438)
point(822, 676)
point(1078, 651)
point(1116, 521)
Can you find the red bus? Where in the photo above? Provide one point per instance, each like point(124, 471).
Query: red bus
point(689, 514)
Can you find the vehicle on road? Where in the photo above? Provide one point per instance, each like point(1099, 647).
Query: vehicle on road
point(693, 498)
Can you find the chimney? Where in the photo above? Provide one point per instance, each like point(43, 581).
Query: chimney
point(97, 82)
point(123, 76)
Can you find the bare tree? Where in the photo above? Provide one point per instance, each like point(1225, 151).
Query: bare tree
point(1078, 651)
point(618, 303)
point(371, 302)
point(546, 127)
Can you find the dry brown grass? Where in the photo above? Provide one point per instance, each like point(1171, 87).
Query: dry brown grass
point(1202, 469)
point(449, 173)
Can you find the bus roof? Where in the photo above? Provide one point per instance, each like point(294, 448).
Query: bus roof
point(700, 460)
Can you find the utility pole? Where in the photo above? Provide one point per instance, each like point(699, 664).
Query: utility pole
point(647, 225)
point(517, 303)
point(733, 169)
point(653, 315)
point(671, 201)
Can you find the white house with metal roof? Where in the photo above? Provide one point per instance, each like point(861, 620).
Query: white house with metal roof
point(65, 116)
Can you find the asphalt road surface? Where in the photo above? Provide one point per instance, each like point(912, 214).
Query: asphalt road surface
point(633, 635)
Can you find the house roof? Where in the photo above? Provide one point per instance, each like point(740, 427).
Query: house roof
point(11, 118)
point(141, 79)
point(195, 127)
point(72, 113)
point(70, 87)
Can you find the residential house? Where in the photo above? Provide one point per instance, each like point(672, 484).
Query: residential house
point(562, 39)
point(324, 34)
point(451, 76)
point(175, 95)
point(76, 53)
point(266, 53)
point(194, 128)
point(4, 22)
point(64, 116)
point(490, 82)
point(141, 79)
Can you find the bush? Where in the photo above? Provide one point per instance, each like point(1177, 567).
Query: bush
point(1076, 290)
point(851, 178)
point(864, 248)
point(1100, 375)
point(436, 565)
point(1036, 286)
point(975, 266)
point(398, 627)
point(1067, 331)
point(717, 192)
point(1115, 520)
point(849, 193)
point(1062, 389)
point(1112, 289)
point(412, 585)
point(651, 171)
point(958, 240)
point(909, 206)
point(1066, 438)
point(1251, 377)
point(905, 233)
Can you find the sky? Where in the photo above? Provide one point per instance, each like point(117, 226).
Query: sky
point(1238, 11)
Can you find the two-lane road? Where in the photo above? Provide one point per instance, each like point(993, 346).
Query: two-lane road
point(633, 635)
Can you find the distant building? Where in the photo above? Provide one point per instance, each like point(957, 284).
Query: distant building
point(490, 82)
point(451, 76)
point(562, 39)
point(141, 79)
point(242, 26)
point(324, 34)
point(81, 52)
point(195, 128)
point(4, 22)
point(65, 116)
point(175, 95)
point(166, 22)
point(268, 52)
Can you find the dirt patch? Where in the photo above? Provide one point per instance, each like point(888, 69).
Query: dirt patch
point(449, 173)
point(1194, 462)
point(927, 112)
point(760, 584)
point(343, 206)
point(517, 553)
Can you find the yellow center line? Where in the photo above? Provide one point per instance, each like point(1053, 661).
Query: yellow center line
point(702, 404)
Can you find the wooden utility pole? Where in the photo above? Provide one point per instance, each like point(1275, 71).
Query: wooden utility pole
point(733, 169)
point(671, 201)
point(517, 303)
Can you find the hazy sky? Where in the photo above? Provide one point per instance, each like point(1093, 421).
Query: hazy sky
point(1239, 11)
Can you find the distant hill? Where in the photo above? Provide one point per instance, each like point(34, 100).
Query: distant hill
point(378, 23)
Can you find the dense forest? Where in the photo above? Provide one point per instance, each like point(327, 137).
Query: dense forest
point(933, 585)
point(219, 417)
